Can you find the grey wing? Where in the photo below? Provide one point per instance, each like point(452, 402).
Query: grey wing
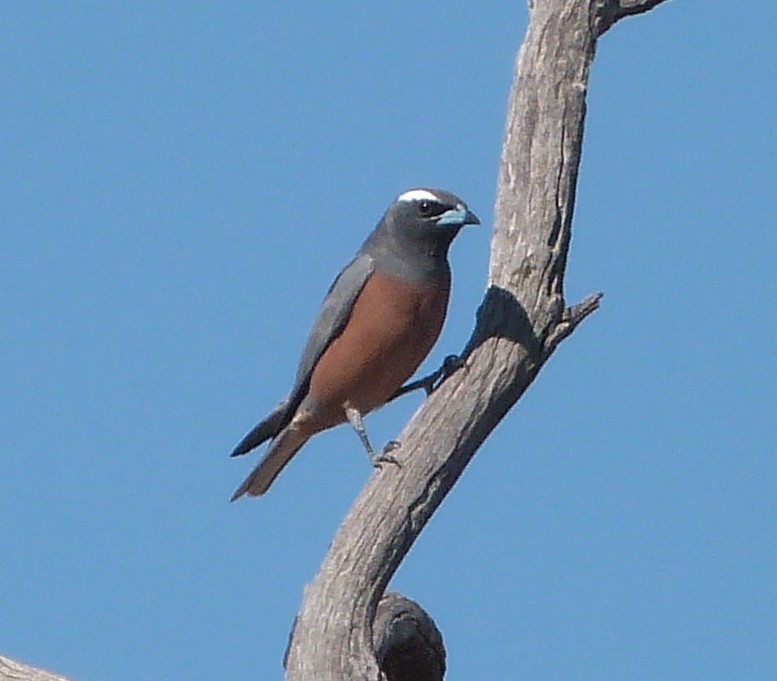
point(334, 313)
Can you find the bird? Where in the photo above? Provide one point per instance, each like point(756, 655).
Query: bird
point(377, 323)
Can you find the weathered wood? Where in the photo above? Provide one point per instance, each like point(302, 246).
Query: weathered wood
point(408, 644)
point(17, 671)
point(521, 321)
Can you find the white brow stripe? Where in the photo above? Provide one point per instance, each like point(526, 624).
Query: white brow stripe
point(417, 195)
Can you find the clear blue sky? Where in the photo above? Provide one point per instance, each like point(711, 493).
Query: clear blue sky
point(179, 184)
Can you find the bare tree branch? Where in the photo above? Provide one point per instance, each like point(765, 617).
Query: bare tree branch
point(612, 11)
point(631, 7)
point(17, 671)
point(408, 644)
point(521, 321)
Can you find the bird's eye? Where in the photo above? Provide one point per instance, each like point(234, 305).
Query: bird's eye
point(431, 209)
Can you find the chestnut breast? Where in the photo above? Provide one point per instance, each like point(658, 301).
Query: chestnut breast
point(392, 327)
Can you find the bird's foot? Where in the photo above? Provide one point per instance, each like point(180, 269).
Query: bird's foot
point(430, 383)
point(450, 365)
point(385, 455)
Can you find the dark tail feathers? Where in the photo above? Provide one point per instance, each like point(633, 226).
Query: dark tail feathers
point(282, 449)
point(269, 427)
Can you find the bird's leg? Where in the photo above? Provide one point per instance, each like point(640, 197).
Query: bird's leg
point(355, 419)
point(434, 380)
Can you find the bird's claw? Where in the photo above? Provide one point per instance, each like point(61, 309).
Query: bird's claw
point(430, 383)
point(390, 446)
point(385, 455)
point(450, 365)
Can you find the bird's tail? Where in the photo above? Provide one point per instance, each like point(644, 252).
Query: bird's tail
point(264, 430)
point(285, 446)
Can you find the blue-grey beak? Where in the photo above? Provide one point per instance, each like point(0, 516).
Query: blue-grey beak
point(458, 217)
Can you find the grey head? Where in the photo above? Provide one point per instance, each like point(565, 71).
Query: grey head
point(411, 240)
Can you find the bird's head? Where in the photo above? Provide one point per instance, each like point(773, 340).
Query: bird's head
point(413, 237)
point(430, 213)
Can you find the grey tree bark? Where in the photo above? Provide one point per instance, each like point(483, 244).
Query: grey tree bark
point(17, 671)
point(346, 627)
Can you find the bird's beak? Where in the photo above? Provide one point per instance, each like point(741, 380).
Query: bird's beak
point(458, 217)
point(470, 218)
